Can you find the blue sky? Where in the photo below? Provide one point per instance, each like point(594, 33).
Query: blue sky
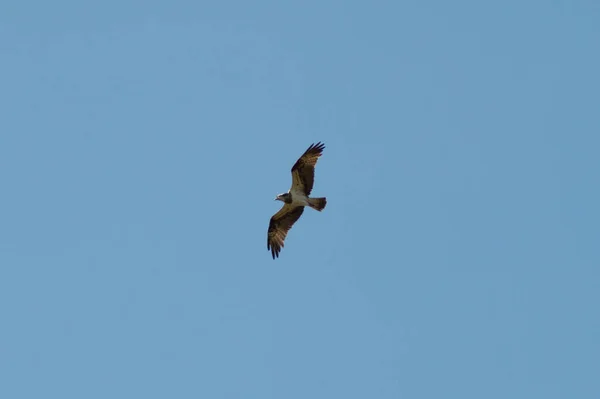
point(141, 147)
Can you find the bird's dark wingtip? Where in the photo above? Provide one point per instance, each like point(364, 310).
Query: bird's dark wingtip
point(318, 146)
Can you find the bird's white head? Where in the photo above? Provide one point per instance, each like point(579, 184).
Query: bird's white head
point(282, 197)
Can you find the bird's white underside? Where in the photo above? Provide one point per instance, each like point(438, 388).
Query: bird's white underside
point(299, 198)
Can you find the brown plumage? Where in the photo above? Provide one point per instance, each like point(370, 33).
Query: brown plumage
point(303, 177)
point(303, 171)
point(279, 226)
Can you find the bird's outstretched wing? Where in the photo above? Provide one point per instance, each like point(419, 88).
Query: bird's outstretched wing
point(303, 171)
point(279, 226)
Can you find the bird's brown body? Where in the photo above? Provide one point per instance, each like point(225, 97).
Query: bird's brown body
point(303, 176)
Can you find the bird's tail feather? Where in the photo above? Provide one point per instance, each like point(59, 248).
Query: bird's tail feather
point(317, 203)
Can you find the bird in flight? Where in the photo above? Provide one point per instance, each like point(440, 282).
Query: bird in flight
point(294, 201)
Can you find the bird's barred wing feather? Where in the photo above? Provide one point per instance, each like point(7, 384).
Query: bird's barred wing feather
point(279, 226)
point(303, 171)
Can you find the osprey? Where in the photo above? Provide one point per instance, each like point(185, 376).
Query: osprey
point(294, 201)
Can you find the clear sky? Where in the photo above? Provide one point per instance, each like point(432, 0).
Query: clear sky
point(142, 144)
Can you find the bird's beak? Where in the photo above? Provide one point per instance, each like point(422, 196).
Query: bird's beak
point(276, 198)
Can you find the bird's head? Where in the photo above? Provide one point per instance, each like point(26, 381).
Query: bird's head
point(282, 197)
